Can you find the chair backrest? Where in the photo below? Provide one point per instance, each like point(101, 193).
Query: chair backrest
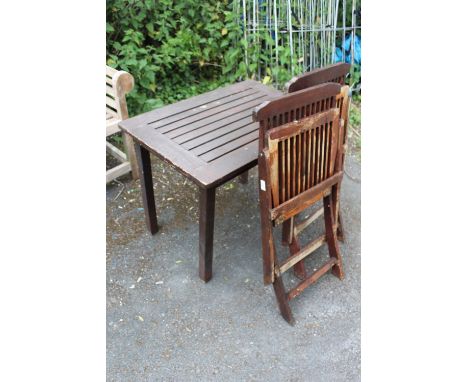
point(295, 106)
point(302, 155)
point(331, 73)
point(118, 83)
point(298, 166)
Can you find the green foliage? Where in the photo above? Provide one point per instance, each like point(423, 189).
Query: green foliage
point(174, 49)
point(354, 130)
point(355, 116)
point(354, 81)
point(177, 49)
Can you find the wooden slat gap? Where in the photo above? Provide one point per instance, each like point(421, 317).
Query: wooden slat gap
point(216, 103)
point(304, 252)
point(202, 117)
point(312, 279)
point(299, 227)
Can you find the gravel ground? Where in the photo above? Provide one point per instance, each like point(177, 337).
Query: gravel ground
point(165, 324)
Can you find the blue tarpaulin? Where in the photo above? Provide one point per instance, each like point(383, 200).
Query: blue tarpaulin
point(357, 51)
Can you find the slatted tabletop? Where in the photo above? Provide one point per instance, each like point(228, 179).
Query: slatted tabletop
point(209, 137)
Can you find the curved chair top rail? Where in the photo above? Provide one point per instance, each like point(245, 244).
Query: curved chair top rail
point(118, 83)
point(332, 73)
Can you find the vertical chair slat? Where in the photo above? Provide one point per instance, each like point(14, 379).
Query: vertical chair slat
point(283, 172)
point(273, 150)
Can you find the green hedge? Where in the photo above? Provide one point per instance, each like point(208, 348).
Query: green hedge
point(174, 49)
point(177, 49)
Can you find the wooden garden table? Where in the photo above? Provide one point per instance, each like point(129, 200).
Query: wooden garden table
point(210, 139)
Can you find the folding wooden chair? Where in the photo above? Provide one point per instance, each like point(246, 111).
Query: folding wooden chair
point(297, 105)
point(300, 165)
point(119, 83)
point(331, 73)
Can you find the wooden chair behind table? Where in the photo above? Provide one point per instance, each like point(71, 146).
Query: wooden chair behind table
point(331, 73)
point(300, 104)
point(119, 83)
point(300, 165)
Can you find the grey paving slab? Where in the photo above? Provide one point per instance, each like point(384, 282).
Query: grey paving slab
point(165, 324)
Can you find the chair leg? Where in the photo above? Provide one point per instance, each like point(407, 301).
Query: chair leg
point(330, 232)
point(244, 177)
point(340, 234)
point(131, 155)
point(299, 268)
point(290, 240)
point(337, 213)
point(286, 230)
point(282, 299)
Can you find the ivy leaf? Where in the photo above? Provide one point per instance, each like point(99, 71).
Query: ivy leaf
point(150, 28)
point(142, 64)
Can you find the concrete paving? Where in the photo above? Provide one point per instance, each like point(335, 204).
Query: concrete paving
point(165, 324)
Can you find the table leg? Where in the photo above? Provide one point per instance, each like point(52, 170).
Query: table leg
point(207, 214)
point(147, 192)
point(244, 177)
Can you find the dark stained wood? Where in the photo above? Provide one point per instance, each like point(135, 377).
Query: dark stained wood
point(208, 137)
point(340, 230)
point(300, 157)
point(189, 106)
point(268, 248)
point(312, 279)
point(147, 192)
point(214, 131)
point(244, 178)
point(299, 255)
point(296, 204)
point(300, 104)
point(332, 73)
point(206, 228)
point(286, 232)
point(332, 241)
point(228, 145)
point(301, 126)
point(282, 299)
point(223, 144)
point(311, 102)
point(339, 165)
point(186, 124)
point(299, 268)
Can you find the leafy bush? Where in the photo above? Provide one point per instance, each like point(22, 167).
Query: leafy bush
point(177, 49)
point(174, 49)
